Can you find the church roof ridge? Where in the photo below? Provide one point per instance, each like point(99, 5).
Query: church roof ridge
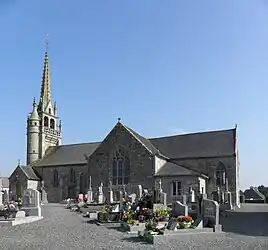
point(192, 133)
point(77, 144)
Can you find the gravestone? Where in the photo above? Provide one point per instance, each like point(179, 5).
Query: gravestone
point(132, 198)
point(198, 223)
point(100, 194)
point(172, 225)
point(140, 193)
point(121, 199)
point(163, 198)
point(31, 202)
point(211, 214)
point(89, 192)
point(110, 193)
point(179, 209)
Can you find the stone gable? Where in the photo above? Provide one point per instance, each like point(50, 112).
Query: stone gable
point(141, 160)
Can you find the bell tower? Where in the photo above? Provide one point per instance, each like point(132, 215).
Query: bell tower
point(46, 115)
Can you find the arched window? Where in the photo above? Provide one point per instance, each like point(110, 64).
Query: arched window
point(82, 183)
point(220, 174)
point(49, 111)
point(46, 121)
point(52, 123)
point(72, 176)
point(55, 178)
point(120, 168)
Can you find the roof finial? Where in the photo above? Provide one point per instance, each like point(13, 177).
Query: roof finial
point(119, 119)
point(46, 43)
point(236, 125)
point(18, 162)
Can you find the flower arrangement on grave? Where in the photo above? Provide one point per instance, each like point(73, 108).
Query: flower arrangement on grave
point(127, 216)
point(145, 214)
point(162, 214)
point(103, 215)
point(151, 227)
point(185, 221)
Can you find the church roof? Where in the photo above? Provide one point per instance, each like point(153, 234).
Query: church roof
point(29, 172)
point(73, 154)
point(171, 169)
point(195, 145)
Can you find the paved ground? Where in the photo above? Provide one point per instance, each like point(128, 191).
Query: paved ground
point(63, 229)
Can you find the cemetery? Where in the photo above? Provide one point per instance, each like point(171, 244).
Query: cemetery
point(147, 215)
point(25, 210)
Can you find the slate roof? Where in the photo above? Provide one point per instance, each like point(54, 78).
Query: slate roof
point(171, 169)
point(29, 172)
point(253, 193)
point(72, 154)
point(203, 144)
point(147, 143)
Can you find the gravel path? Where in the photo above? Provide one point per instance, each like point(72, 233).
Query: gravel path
point(63, 229)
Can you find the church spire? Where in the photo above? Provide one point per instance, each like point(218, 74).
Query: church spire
point(45, 96)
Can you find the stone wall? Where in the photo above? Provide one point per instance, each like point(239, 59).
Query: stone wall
point(56, 194)
point(141, 161)
point(208, 167)
point(186, 183)
point(22, 179)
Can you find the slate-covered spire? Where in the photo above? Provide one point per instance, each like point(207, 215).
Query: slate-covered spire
point(45, 95)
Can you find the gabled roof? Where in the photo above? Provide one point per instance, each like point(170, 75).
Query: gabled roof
point(29, 172)
point(203, 144)
point(143, 141)
point(253, 193)
point(171, 169)
point(68, 154)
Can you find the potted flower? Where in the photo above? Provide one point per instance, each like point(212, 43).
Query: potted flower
point(185, 221)
point(163, 214)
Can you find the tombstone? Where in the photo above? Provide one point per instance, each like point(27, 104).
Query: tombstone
point(43, 193)
point(184, 199)
point(31, 201)
point(111, 193)
point(121, 198)
point(211, 214)
point(132, 198)
point(172, 224)
point(179, 209)
point(89, 192)
point(192, 193)
point(140, 193)
point(163, 198)
point(100, 194)
point(20, 214)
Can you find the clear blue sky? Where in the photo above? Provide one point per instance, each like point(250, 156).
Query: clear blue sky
point(164, 67)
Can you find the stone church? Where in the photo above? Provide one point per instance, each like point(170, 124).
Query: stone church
point(206, 162)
